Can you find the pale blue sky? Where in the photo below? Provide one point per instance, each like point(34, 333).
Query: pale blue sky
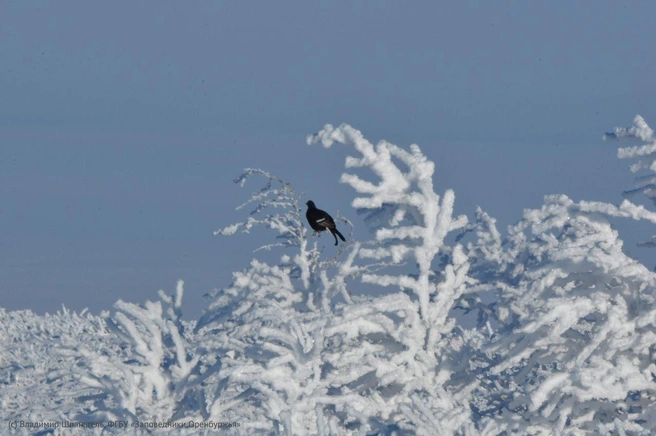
point(122, 124)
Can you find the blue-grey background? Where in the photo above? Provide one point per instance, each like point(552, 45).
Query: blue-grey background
point(122, 124)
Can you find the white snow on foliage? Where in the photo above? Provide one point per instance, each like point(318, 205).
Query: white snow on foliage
point(437, 325)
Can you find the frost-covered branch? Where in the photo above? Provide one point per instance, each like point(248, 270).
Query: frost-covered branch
point(645, 154)
point(286, 217)
point(276, 194)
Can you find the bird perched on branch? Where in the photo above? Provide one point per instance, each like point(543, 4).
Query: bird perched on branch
point(320, 221)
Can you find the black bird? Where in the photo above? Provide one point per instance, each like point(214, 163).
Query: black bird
point(320, 221)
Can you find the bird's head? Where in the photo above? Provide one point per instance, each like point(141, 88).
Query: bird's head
point(310, 203)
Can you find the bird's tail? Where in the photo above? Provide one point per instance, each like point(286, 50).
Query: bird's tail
point(340, 235)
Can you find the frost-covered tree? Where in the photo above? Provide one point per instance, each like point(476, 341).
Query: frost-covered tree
point(575, 322)
point(264, 334)
point(151, 375)
point(257, 313)
point(413, 322)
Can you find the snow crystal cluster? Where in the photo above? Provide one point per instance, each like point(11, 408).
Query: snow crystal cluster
point(438, 324)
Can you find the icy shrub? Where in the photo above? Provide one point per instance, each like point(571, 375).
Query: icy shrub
point(151, 377)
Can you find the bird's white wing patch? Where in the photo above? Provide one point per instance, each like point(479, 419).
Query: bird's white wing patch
point(322, 219)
